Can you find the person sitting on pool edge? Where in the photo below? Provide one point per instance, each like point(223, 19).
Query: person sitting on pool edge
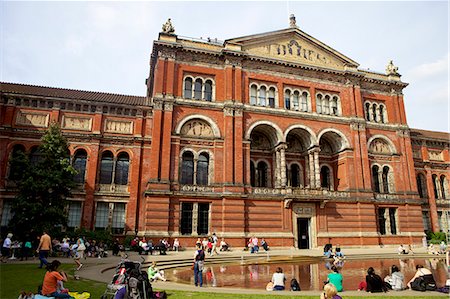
point(278, 279)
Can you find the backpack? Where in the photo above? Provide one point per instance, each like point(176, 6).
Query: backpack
point(200, 256)
point(295, 286)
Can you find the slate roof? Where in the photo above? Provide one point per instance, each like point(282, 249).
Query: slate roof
point(424, 134)
point(73, 94)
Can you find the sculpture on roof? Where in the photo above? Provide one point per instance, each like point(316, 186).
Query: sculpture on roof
point(168, 27)
point(391, 69)
point(292, 22)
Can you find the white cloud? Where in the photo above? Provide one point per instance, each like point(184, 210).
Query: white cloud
point(102, 16)
point(427, 70)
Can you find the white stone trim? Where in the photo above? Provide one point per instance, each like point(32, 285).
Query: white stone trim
point(314, 139)
point(278, 131)
point(344, 145)
point(214, 127)
point(389, 142)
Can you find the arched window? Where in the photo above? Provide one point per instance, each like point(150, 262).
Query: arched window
point(368, 111)
point(202, 169)
point(295, 100)
point(304, 100)
point(35, 156)
point(287, 99)
point(106, 168)
point(262, 96)
point(272, 97)
point(188, 88)
point(435, 186)
point(326, 105)
point(252, 175)
point(375, 179)
point(295, 175)
point(374, 112)
point(14, 169)
point(421, 185)
point(79, 163)
point(381, 113)
point(253, 92)
point(261, 173)
point(334, 106)
point(385, 177)
point(443, 182)
point(187, 168)
point(122, 166)
point(325, 177)
point(208, 90)
point(198, 89)
point(319, 103)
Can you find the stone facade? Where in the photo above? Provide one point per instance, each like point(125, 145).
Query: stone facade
point(275, 135)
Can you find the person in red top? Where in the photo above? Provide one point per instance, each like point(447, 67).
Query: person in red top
point(50, 284)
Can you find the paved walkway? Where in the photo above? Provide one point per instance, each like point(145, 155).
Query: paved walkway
point(94, 268)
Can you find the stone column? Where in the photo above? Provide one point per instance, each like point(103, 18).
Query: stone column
point(307, 172)
point(312, 173)
point(278, 168)
point(283, 165)
point(317, 168)
point(380, 180)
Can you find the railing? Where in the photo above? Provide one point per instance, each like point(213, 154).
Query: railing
point(195, 188)
point(301, 192)
point(385, 196)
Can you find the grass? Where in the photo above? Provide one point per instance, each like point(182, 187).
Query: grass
point(17, 277)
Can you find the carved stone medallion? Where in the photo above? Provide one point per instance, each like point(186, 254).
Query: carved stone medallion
point(196, 128)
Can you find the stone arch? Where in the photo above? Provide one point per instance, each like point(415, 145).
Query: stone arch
point(305, 133)
point(274, 131)
point(391, 145)
point(215, 129)
point(339, 144)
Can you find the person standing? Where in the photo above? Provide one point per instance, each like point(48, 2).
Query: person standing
point(6, 248)
point(215, 242)
point(44, 247)
point(199, 262)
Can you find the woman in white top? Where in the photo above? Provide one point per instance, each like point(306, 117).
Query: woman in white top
point(278, 279)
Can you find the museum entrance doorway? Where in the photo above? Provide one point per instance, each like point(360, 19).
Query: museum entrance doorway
point(303, 233)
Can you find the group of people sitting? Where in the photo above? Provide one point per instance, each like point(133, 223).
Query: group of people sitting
point(253, 245)
point(144, 246)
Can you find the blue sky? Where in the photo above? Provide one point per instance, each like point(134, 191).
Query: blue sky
point(106, 46)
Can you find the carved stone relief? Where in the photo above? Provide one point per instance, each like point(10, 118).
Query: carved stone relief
point(379, 146)
point(433, 155)
point(77, 123)
point(32, 119)
point(196, 128)
point(118, 126)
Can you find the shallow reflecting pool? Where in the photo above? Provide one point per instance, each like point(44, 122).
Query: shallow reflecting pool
point(310, 275)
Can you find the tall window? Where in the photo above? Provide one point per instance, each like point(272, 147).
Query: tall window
point(326, 105)
point(387, 221)
point(106, 168)
point(272, 97)
point(186, 218)
point(35, 156)
point(381, 109)
point(319, 103)
point(202, 169)
point(118, 218)
point(375, 112)
point(325, 177)
point(368, 111)
point(287, 99)
point(6, 213)
point(122, 166)
point(74, 219)
point(208, 90)
point(79, 163)
point(14, 170)
point(295, 175)
point(295, 100)
point(101, 215)
point(253, 92)
point(421, 185)
point(382, 221)
point(198, 89)
point(375, 179)
point(334, 106)
point(252, 175)
point(385, 179)
point(435, 186)
point(203, 217)
point(188, 88)
point(187, 168)
point(304, 100)
point(262, 96)
point(392, 220)
point(443, 183)
point(261, 173)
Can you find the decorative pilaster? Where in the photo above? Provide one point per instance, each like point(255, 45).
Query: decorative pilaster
point(283, 165)
point(317, 168)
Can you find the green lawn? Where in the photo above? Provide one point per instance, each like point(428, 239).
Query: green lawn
point(17, 277)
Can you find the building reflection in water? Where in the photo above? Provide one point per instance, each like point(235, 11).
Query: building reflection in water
point(310, 276)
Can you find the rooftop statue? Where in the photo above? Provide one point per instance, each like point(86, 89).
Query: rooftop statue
point(292, 22)
point(168, 27)
point(391, 69)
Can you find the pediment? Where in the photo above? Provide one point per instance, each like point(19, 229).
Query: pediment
point(292, 45)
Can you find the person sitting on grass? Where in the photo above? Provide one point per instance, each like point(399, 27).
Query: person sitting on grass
point(154, 273)
point(51, 278)
point(330, 292)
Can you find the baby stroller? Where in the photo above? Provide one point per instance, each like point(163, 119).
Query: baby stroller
point(128, 274)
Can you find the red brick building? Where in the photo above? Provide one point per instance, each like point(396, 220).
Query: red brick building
point(275, 135)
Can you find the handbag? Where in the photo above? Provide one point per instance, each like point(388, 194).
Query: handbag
point(81, 247)
point(419, 284)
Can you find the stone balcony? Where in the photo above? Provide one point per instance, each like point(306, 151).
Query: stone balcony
point(302, 192)
point(196, 188)
point(383, 196)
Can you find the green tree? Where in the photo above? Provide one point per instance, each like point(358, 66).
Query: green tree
point(44, 183)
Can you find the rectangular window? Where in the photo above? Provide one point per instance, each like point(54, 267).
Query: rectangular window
point(186, 218)
point(426, 222)
point(74, 219)
point(381, 221)
point(118, 218)
point(393, 220)
point(101, 215)
point(6, 214)
point(203, 216)
point(440, 221)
